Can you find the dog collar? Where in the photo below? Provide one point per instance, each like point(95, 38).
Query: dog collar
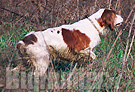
point(93, 24)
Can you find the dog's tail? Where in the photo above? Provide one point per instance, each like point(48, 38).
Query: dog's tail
point(19, 44)
point(19, 47)
point(39, 57)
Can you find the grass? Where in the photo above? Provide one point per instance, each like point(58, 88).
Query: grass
point(83, 77)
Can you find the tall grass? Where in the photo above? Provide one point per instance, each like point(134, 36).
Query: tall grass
point(80, 77)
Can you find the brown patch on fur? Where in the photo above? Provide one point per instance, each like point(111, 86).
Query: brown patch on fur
point(58, 32)
point(75, 40)
point(30, 39)
point(107, 18)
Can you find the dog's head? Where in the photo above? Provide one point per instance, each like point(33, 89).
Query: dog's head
point(110, 19)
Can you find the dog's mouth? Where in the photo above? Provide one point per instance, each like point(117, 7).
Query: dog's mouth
point(118, 24)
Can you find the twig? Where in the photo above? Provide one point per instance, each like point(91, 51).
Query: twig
point(17, 14)
point(12, 12)
point(78, 15)
point(130, 45)
point(130, 13)
point(110, 4)
point(118, 6)
point(45, 1)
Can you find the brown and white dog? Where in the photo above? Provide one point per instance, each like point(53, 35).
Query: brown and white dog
point(79, 37)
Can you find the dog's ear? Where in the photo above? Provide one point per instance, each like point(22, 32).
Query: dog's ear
point(108, 18)
point(30, 39)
